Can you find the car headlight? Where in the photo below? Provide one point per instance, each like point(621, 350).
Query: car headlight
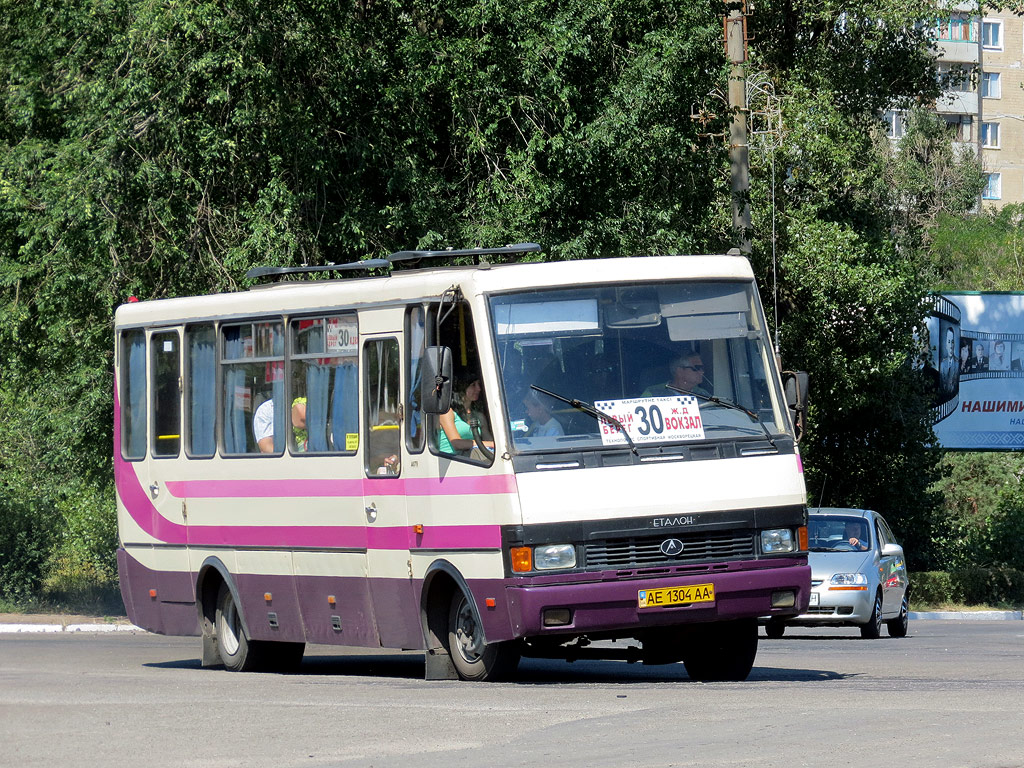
point(778, 540)
point(551, 556)
point(848, 579)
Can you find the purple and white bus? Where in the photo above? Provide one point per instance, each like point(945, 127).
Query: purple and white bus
point(483, 462)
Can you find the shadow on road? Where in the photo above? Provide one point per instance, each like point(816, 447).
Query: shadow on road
point(409, 666)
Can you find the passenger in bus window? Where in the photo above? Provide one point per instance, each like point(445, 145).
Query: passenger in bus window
point(299, 431)
point(456, 435)
point(263, 425)
point(387, 465)
point(686, 372)
point(542, 423)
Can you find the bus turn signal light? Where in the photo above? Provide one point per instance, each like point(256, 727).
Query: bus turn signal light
point(801, 537)
point(522, 559)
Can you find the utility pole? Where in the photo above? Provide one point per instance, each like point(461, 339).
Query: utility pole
point(739, 156)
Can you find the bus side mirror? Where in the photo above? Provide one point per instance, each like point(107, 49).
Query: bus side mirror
point(795, 384)
point(436, 381)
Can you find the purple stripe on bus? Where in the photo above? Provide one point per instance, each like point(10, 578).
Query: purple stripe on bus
point(321, 487)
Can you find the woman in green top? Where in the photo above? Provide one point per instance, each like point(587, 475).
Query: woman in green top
point(455, 434)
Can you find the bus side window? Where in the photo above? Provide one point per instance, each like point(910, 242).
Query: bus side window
point(201, 391)
point(133, 394)
point(252, 393)
point(415, 334)
point(324, 382)
point(164, 351)
point(469, 400)
point(381, 363)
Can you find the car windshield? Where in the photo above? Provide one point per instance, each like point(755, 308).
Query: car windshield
point(832, 533)
point(653, 357)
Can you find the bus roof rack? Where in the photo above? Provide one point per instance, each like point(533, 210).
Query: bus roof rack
point(400, 257)
point(352, 266)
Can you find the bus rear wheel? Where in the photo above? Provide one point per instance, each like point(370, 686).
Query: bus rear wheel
point(723, 651)
point(473, 659)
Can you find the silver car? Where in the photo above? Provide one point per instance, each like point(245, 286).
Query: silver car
point(858, 574)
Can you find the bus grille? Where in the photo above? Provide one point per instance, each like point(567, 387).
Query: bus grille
point(646, 550)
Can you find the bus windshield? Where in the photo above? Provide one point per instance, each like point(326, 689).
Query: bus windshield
point(670, 362)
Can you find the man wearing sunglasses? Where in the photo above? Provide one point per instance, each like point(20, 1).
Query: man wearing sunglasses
point(687, 372)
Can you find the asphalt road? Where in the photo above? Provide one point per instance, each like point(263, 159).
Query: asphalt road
point(950, 694)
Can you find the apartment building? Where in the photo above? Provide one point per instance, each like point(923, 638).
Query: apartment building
point(959, 53)
point(981, 64)
point(1001, 83)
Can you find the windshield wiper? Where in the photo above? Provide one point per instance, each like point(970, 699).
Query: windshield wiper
point(590, 410)
point(728, 404)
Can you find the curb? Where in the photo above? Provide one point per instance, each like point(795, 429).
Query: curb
point(55, 628)
point(968, 615)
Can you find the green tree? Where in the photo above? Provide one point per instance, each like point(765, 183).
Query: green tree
point(845, 251)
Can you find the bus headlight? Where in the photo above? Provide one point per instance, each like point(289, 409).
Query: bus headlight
point(777, 540)
point(552, 556)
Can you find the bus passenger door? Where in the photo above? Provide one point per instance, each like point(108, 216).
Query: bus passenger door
point(395, 607)
point(163, 462)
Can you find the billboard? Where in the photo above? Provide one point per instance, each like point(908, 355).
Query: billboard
point(977, 362)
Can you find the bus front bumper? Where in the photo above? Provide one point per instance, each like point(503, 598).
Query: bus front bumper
point(613, 604)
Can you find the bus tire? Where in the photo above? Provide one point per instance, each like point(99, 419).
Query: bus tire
point(775, 628)
point(473, 659)
point(237, 652)
point(720, 652)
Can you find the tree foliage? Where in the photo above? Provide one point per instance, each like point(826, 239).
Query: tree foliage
point(846, 247)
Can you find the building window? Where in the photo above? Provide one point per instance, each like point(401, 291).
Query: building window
point(990, 85)
point(992, 35)
point(991, 88)
point(993, 186)
point(894, 124)
point(960, 127)
point(955, 77)
point(957, 29)
point(990, 135)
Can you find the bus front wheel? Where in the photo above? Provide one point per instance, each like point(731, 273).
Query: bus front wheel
point(724, 651)
point(473, 659)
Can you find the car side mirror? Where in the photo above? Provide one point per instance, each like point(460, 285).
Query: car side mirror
point(796, 384)
point(436, 380)
point(892, 550)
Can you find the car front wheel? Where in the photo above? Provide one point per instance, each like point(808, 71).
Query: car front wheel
point(873, 629)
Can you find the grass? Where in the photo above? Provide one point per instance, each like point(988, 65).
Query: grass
point(927, 607)
point(104, 602)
